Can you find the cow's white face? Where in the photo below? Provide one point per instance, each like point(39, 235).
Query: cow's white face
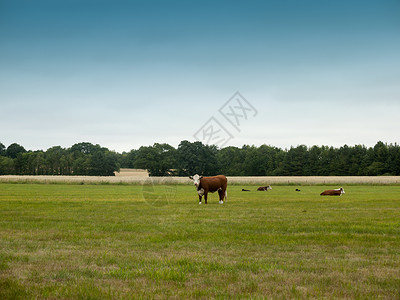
point(341, 190)
point(196, 179)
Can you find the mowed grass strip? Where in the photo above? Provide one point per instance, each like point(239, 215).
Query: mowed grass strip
point(107, 242)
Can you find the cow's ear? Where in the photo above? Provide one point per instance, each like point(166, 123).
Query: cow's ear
point(201, 177)
point(191, 177)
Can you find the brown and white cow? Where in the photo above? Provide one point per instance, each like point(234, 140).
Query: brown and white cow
point(264, 188)
point(335, 192)
point(210, 184)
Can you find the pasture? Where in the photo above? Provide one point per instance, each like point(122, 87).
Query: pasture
point(79, 241)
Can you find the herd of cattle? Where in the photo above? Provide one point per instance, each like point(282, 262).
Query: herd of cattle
point(219, 183)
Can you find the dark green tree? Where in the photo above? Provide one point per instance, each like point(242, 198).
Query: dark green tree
point(103, 163)
point(269, 158)
point(294, 162)
point(394, 159)
point(381, 151)
point(254, 163)
point(231, 161)
point(14, 149)
point(3, 150)
point(127, 159)
point(21, 163)
point(342, 165)
point(357, 155)
point(6, 166)
point(197, 158)
point(328, 162)
point(159, 159)
point(312, 167)
point(81, 165)
point(53, 158)
point(84, 148)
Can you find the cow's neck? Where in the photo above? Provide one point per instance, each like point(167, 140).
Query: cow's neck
point(199, 186)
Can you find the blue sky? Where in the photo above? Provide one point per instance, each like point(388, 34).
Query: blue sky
point(130, 73)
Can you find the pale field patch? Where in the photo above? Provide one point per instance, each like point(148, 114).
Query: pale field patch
point(132, 173)
point(135, 176)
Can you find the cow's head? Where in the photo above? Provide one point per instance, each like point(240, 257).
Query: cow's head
point(269, 187)
point(341, 190)
point(196, 179)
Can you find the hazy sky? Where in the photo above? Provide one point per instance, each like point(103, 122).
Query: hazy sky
point(124, 74)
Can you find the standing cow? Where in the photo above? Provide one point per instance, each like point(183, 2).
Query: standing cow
point(210, 184)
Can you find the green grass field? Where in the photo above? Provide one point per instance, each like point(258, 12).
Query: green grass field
point(131, 241)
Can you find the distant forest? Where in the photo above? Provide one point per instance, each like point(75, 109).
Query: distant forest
point(195, 157)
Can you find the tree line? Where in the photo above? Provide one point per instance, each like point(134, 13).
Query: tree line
point(195, 157)
point(80, 159)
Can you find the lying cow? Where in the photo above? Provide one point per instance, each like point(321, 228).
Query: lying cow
point(264, 188)
point(335, 192)
point(210, 184)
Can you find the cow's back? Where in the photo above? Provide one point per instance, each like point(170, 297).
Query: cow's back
point(214, 183)
point(331, 193)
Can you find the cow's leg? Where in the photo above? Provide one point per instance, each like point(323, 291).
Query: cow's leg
point(200, 192)
point(221, 196)
point(205, 198)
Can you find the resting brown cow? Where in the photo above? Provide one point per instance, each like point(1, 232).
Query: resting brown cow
point(336, 192)
point(264, 188)
point(210, 184)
